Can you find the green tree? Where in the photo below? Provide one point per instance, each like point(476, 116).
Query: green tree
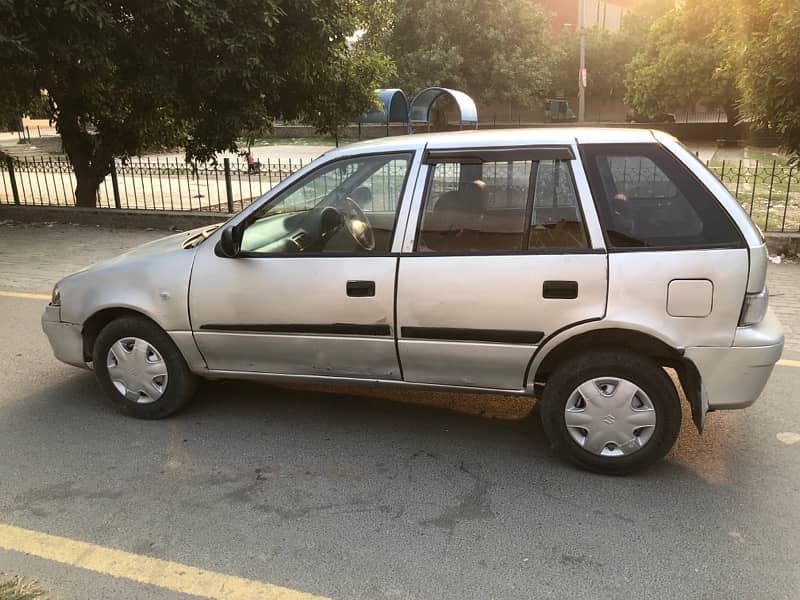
point(606, 57)
point(495, 50)
point(685, 61)
point(607, 53)
point(125, 76)
point(342, 101)
point(768, 62)
point(637, 21)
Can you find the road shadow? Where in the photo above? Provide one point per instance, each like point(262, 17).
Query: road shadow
point(468, 422)
point(343, 494)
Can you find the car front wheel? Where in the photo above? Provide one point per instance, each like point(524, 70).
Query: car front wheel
point(611, 411)
point(141, 370)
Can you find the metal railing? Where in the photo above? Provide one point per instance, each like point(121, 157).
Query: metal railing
point(768, 190)
point(146, 184)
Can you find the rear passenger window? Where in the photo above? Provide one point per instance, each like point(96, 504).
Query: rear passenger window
point(503, 206)
point(647, 198)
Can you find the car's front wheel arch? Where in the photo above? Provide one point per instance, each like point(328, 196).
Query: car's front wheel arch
point(93, 325)
point(141, 368)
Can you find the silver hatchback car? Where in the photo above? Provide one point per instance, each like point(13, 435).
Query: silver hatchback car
point(573, 265)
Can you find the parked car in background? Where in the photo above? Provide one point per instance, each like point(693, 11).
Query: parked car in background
point(557, 110)
point(573, 265)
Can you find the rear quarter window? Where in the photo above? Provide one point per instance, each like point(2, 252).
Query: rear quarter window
point(647, 198)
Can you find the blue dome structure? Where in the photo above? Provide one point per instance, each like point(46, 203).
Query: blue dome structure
point(420, 109)
point(395, 108)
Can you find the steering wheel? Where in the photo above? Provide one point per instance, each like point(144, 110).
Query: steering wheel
point(357, 224)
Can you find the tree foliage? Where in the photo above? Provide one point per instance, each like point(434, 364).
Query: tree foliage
point(768, 64)
point(607, 53)
point(497, 51)
point(130, 75)
point(606, 58)
point(341, 100)
point(685, 61)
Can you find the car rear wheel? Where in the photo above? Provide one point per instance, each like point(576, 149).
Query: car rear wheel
point(611, 411)
point(141, 370)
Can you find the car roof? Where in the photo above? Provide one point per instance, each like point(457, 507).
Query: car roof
point(503, 137)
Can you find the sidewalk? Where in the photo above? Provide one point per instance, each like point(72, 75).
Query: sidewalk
point(34, 257)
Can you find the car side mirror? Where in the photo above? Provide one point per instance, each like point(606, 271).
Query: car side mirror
point(230, 244)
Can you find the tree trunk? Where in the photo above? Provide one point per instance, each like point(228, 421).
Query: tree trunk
point(89, 156)
point(86, 189)
point(732, 112)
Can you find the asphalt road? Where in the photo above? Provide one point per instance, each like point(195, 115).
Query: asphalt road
point(354, 497)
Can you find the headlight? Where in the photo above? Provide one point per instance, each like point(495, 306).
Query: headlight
point(55, 299)
point(754, 308)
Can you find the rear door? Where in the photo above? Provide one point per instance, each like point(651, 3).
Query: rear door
point(498, 258)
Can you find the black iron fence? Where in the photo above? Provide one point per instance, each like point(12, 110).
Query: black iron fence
point(768, 190)
point(146, 184)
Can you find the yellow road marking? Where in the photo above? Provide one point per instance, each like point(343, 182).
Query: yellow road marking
point(789, 363)
point(27, 295)
point(143, 569)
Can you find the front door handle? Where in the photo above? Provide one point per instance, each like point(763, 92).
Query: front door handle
point(360, 289)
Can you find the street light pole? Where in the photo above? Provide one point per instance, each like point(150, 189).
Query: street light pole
point(582, 71)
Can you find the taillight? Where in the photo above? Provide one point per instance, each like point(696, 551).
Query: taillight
point(754, 308)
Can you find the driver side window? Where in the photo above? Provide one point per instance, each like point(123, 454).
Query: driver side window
point(348, 206)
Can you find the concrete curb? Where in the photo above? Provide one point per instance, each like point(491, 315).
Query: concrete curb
point(110, 217)
point(787, 244)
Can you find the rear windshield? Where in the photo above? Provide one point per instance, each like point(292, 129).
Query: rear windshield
point(646, 198)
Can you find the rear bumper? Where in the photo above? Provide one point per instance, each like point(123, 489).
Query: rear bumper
point(66, 339)
point(734, 377)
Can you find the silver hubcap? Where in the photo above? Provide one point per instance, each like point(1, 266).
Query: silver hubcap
point(609, 416)
point(137, 370)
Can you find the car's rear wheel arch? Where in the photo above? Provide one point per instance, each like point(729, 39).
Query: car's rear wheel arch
point(635, 341)
point(632, 340)
point(585, 418)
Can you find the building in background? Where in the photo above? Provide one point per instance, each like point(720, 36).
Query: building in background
point(603, 13)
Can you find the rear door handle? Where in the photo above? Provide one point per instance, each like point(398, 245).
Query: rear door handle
point(360, 289)
point(562, 290)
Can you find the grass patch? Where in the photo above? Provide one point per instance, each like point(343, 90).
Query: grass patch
point(764, 155)
point(749, 155)
point(770, 196)
point(19, 588)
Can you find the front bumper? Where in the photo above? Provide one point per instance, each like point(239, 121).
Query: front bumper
point(66, 339)
point(734, 377)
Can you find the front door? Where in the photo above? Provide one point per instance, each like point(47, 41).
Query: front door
point(312, 292)
point(501, 259)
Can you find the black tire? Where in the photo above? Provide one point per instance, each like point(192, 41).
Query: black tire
point(611, 362)
point(181, 383)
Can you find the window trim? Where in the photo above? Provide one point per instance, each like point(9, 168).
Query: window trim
point(601, 213)
point(532, 177)
point(411, 154)
point(527, 251)
point(578, 202)
point(499, 154)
